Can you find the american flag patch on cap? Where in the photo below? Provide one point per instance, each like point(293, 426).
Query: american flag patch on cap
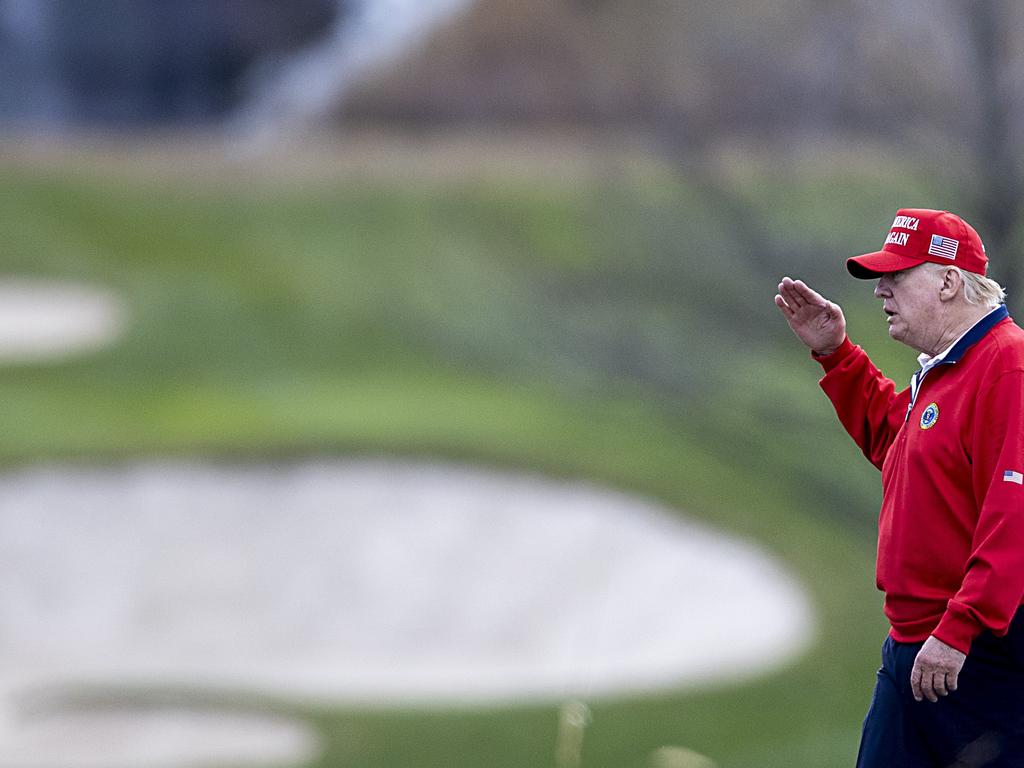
point(1009, 476)
point(943, 246)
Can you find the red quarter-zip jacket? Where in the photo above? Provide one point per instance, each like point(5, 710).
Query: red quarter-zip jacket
point(951, 527)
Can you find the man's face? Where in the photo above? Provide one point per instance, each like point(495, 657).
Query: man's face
point(910, 299)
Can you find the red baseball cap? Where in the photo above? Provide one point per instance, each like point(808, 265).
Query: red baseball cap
point(918, 235)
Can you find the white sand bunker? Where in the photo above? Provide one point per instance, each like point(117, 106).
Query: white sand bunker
point(372, 582)
point(153, 738)
point(40, 319)
point(361, 580)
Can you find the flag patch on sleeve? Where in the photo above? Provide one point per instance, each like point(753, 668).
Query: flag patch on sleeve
point(1009, 476)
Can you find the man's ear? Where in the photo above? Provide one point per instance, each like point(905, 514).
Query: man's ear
point(952, 283)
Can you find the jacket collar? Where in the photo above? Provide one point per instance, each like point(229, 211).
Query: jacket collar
point(952, 355)
point(975, 334)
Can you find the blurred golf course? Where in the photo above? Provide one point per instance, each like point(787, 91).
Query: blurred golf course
point(595, 316)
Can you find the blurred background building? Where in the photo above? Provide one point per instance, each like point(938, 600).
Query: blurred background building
point(147, 63)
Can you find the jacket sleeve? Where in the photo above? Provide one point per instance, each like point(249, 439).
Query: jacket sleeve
point(993, 584)
point(866, 401)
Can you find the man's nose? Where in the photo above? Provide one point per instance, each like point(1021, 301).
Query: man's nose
point(882, 288)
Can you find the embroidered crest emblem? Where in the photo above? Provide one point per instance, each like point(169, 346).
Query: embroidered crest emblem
point(929, 416)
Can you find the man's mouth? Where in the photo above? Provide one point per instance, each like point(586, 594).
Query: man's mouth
point(890, 314)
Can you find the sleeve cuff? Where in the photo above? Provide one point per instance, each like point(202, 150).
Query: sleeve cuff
point(957, 631)
point(828, 362)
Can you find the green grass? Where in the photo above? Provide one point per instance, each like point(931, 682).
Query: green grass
point(614, 330)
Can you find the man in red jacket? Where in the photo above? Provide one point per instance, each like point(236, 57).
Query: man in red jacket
point(951, 528)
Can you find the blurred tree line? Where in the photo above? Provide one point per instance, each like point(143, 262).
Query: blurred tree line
point(936, 80)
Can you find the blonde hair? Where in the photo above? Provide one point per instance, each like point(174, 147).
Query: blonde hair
point(978, 289)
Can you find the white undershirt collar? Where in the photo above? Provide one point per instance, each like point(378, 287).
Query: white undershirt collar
point(928, 362)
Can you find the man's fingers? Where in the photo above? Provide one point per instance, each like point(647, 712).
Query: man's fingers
point(787, 310)
point(808, 295)
point(927, 687)
point(952, 678)
point(939, 684)
point(798, 295)
point(787, 288)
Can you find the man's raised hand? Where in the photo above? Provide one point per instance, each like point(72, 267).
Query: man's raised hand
point(815, 320)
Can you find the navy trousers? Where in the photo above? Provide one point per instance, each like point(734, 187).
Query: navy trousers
point(979, 724)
